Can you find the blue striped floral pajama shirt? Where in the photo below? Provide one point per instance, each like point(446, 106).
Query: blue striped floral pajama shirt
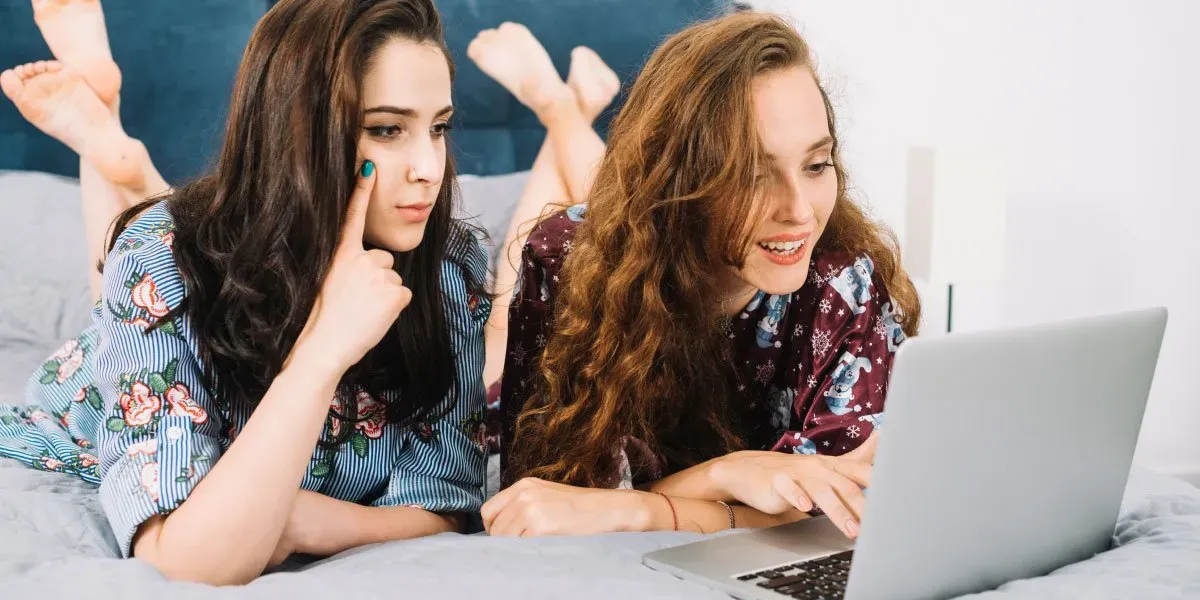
point(125, 409)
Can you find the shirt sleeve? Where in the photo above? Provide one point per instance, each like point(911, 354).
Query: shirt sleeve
point(843, 383)
point(440, 467)
point(161, 431)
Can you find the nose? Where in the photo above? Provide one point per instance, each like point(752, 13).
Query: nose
point(426, 165)
point(792, 204)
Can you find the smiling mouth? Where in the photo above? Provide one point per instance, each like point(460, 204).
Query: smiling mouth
point(783, 248)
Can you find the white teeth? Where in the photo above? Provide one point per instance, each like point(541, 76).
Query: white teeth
point(782, 247)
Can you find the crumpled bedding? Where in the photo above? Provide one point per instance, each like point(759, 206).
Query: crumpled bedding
point(55, 543)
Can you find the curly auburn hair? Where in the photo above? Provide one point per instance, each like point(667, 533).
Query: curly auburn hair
point(637, 348)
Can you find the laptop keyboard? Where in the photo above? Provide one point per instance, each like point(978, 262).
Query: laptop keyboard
point(818, 579)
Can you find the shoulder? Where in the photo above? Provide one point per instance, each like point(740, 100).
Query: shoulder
point(465, 253)
point(554, 236)
point(843, 291)
point(852, 275)
point(463, 277)
point(142, 259)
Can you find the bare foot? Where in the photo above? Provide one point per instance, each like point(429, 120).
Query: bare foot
point(594, 83)
point(513, 57)
point(75, 32)
point(61, 104)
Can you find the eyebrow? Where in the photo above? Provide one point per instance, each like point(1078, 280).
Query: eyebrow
point(825, 141)
point(405, 112)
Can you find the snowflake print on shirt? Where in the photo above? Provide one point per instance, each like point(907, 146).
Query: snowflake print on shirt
point(518, 354)
point(765, 372)
point(821, 342)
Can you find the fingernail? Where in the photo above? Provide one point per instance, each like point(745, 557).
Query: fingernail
point(852, 528)
point(368, 168)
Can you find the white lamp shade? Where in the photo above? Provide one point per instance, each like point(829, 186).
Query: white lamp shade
point(955, 215)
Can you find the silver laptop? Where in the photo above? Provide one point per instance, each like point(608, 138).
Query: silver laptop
point(1003, 455)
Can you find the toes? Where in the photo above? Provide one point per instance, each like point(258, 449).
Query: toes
point(10, 82)
point(475, 48)
point(477, 45)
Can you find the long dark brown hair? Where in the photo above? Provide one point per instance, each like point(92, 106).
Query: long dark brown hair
point(638, 349)
point(255, 237)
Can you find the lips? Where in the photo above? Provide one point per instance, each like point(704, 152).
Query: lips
point(784, 249)
point(415, 212)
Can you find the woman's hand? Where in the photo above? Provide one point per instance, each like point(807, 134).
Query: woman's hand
point(534, 507)
point(361, 295)
point(774, 482)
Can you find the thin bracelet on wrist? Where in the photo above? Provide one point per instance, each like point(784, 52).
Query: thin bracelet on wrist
point(674, 515)
point(729, 509)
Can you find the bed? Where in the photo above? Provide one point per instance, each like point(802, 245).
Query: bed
point(54, 539)
point(55, 543)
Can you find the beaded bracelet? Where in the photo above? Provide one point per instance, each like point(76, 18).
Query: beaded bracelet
point(729, 509)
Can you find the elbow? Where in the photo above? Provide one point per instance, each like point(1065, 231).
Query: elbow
point(175, 562)
point(187, 569)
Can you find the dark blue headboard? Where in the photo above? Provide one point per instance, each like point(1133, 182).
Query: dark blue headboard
point(178, 59)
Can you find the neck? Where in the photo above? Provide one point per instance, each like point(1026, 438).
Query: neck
point(735, 295)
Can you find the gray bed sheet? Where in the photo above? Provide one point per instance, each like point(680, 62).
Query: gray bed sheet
point(55, 543)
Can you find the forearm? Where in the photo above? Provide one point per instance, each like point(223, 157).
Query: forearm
point(708, 516)
point(228, 528)
point(695, 482)
point(348, 525)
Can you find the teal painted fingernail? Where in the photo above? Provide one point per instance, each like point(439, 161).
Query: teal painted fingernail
point(368, 168)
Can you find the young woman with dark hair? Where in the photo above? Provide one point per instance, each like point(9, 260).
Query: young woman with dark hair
point(286, 354)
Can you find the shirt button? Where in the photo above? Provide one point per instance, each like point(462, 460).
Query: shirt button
point(174, 432)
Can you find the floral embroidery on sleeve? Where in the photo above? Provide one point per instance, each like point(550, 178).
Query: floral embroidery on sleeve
point(146, 306)
point(372, 416)
point(65, 362)
point(165, 232)
point(142, 397)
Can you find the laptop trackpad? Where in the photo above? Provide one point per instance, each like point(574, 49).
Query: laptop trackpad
point(757, 550)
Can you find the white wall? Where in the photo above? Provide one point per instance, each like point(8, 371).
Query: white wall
point(1096, 106)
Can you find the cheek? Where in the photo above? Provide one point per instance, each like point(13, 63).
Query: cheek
point(825, 197)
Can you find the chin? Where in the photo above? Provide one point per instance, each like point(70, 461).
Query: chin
point(778, 280)
point(404, 240)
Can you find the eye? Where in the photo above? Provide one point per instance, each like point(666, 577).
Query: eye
point(818, 168)
point(384, 132)
point(441, 129)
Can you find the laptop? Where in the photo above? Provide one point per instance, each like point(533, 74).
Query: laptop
point(1003, 455)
